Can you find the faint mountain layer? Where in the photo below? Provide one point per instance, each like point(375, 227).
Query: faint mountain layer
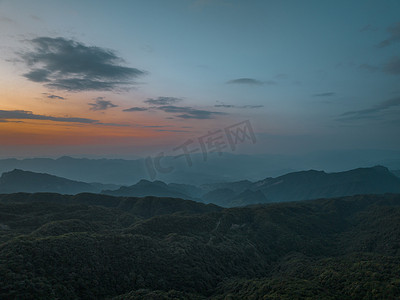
point(228, 167)
point(290, 187)
point(31, 182)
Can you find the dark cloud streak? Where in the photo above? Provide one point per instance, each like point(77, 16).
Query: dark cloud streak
point(373, 111)
point(394, 32)
point(328, 94)
point(186, 112)
point(136, 109)
point(237, 106)
point(28, 115)
point(101, 104)
point(249, 81)
point(392, 66)
point(163, 100)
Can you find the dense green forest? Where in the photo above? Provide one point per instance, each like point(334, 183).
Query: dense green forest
point(92, 246)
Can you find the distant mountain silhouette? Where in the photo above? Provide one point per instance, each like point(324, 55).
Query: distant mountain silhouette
point(228, 167)
point(31, 182)
point(396, 172)
point(318, 184)
point(219, 196)
point(237, 186)
point(294, 186)
point(148, 188)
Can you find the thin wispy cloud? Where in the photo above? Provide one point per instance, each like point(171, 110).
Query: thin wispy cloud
point(246, 81)
point(28, 115)
point(171, 130)
point(369, 68)
point(186, 112)
point(394, 36)
point(237, 106)
point(163, 100)
point(52, 96)
point(101, 104)
point(327, 94)
point(132, 109)
point(69, 65)
point(372, 111)
point(368, 27)
point(12, 115)
point(392, 67)
point(4, 19)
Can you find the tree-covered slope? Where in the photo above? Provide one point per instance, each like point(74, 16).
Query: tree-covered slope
point(99, 247)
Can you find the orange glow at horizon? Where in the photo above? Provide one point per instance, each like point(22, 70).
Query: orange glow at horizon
point(34, 132)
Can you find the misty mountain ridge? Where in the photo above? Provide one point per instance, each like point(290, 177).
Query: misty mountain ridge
point(294, 186)
point(228, 167)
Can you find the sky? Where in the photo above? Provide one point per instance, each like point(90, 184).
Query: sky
point(131, 78)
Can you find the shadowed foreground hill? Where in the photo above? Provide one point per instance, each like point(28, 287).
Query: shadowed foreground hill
point(25, 181)
point(100, 247)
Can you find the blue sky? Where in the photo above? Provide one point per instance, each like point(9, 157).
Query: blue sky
point(310, 75)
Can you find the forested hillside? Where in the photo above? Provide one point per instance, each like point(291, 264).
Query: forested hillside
point(101, 247)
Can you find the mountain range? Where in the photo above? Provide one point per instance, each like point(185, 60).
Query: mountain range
point(290, 187)
point(227, 167)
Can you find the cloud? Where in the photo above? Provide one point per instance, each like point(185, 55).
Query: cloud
point(72, 66)
point(36, 18)
point(7, 121)
point(250, 81)
point(172, 130)
point(225, 105)
point(186, 112)
point(369, 68)
point(236, 106)
point(392, 66)
point(136, 109)
point(368, 27)
point(373, 111)
point(281, 76)
point(101, 104)
point(328, 94)
point(38, 75)
point(4, 19)
point(394, 32)
point(28, 115)
point(114, 124)
point(51, 96)
point(163, 100)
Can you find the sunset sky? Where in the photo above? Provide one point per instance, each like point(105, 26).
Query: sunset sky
point(127, 78)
